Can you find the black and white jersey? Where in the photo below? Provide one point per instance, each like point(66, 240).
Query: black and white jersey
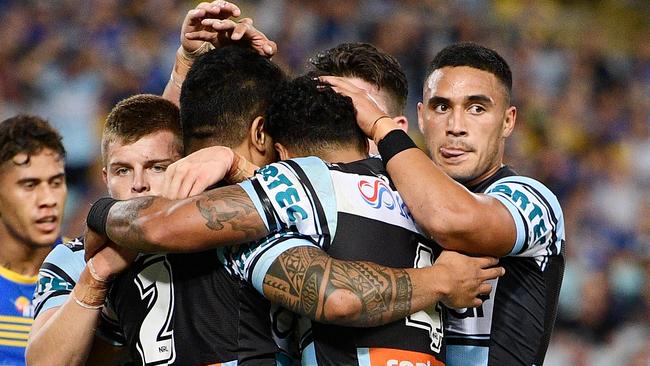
point(186, 309)
point(514, 325)
point(352, 212)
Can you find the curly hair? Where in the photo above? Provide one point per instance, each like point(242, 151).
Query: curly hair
point(366, 62)
point(140, 115)
point(27, 134)
point(309, 118)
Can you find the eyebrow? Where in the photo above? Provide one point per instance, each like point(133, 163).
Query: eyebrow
point(148, 162)
point(38, 180)
point(479, 98)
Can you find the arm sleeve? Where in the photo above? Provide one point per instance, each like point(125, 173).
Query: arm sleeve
point(58, 275)
point(537, 215)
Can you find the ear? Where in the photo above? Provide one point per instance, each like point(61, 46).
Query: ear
point(421, 117)
point(258, 137)
point(402, 122)
point(104, 176)
point(282, 151)
point(509, 121)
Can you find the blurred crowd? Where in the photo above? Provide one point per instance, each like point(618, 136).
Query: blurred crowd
point(581, 83)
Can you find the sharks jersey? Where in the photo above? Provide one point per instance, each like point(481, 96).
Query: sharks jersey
point(352, 212)
point(514, 325)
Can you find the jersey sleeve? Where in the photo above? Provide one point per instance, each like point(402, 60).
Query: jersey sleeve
point(296, 195)
point(58, 275)
point(537, 215)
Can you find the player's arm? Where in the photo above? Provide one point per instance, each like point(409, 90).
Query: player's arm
point(222, 216)
point(306, 280)
point(78, 317)
point(453, 216)
point(206, 27)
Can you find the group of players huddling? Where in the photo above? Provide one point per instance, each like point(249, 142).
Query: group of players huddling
point(279, 240)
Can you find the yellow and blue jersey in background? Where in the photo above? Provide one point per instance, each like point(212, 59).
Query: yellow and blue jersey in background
point(16, 320)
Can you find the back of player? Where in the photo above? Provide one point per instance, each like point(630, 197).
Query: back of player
point(350, 211)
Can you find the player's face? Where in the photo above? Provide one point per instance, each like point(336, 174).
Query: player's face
point(32, 198)
point(465, 118)
point(138, 169)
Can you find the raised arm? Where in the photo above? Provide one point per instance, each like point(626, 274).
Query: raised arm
point(207, 27)
point(453, 216)
point(309, 282)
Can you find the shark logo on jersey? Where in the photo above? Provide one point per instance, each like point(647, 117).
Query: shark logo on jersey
point(374, 194)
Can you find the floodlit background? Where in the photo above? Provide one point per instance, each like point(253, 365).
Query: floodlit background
point(581, 82)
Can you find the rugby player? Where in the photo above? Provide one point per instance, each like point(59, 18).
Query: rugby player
point(468, 200)
point(32, 201)
point(141, 138)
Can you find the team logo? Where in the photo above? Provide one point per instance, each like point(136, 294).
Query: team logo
point(24, 306)
point(376, 194)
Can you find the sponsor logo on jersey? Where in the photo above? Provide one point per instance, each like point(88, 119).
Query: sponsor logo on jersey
point(377, 193)
point(397, 357)
point(23, 306)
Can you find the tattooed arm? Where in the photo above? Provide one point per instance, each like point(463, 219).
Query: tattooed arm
point(222, 216)
point(307, 281)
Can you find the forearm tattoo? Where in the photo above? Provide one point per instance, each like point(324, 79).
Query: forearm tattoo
point(230, 206)
point(120, 225)
point(303, 278)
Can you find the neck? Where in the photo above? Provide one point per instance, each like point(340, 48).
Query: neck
point(342, 155)
point(22, 258)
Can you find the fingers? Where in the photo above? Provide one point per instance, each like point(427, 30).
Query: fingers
point(484, 288)
point(486, 262)
point(491, 273)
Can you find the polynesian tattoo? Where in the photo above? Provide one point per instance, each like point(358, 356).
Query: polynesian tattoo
point(303, 278)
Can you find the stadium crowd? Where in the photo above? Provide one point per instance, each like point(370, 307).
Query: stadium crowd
point(581, 83)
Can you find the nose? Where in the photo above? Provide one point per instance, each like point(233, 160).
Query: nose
point(456, 123)
point(47, 196)
point(140, 183)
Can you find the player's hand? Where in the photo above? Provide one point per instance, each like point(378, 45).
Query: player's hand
point(465, 278)
point(368, 112)
point(192, 23)
point(224, 32)
point(111, 260)
point(196, 172)
point(93, 243)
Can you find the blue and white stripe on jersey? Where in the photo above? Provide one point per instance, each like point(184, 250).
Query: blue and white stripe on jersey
point(58, 275)
point(537, 215)
point(297, 203)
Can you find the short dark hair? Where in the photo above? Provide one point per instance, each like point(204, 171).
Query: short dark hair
point(27, 134)
point(366, 62)
point(475, 56)
point(138, 116)
point(224, 91)
point(310, 118)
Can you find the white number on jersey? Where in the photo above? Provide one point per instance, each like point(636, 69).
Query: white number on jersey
point(429, 319)
point(156, 338)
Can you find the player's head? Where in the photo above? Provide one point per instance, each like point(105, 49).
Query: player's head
point(307, 118)
point(223, 101)
point(141, 138)
point(368, 68)
point(466, 113)
point(32, 181)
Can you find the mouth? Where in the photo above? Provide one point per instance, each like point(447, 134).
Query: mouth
point(48, 223)
point(453, 153)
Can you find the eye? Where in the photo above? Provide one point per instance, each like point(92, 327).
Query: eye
point(476, 109)
point(58, 182)
point(29, 185)
point(159, 168)
point(121, 171)
point(440, 108)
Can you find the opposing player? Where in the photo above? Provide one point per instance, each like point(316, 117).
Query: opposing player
point(141, 138)
point(469, 201)
point(32, 201)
